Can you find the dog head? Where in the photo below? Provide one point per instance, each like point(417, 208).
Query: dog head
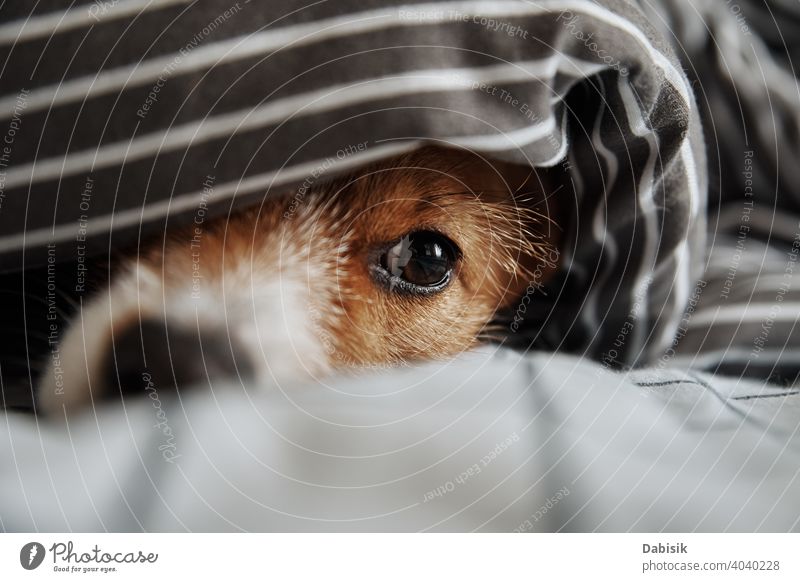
point(407, 259)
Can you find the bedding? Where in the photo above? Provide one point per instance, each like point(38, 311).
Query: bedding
point(176, 111)
point(673, 127)
point(494, 441)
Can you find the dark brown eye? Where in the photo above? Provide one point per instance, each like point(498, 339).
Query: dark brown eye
point(420, 262)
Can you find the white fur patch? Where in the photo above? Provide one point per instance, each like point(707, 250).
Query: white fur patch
point(276, 314)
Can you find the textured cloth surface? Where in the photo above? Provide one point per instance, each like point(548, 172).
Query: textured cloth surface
point(505, 443)
point(742, 59)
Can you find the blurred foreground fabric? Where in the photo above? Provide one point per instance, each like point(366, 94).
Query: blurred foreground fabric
point(494, 441)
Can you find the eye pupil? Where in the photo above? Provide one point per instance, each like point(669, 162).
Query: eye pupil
point(421, 259)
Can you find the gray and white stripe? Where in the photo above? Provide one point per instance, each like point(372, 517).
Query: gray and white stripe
point(270, 92)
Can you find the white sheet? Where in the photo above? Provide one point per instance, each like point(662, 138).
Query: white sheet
point(493, 441)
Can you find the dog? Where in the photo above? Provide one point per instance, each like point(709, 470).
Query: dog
point(415, 258)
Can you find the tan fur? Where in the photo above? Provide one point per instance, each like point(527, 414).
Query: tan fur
point(291, 280)
point(493, 212)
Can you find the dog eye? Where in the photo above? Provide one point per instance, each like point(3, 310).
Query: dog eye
point(420, 262)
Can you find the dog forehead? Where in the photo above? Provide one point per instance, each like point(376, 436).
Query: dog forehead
point(438, 189)
point(397, 209)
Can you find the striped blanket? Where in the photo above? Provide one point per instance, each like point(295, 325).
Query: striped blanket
point(121, 118)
